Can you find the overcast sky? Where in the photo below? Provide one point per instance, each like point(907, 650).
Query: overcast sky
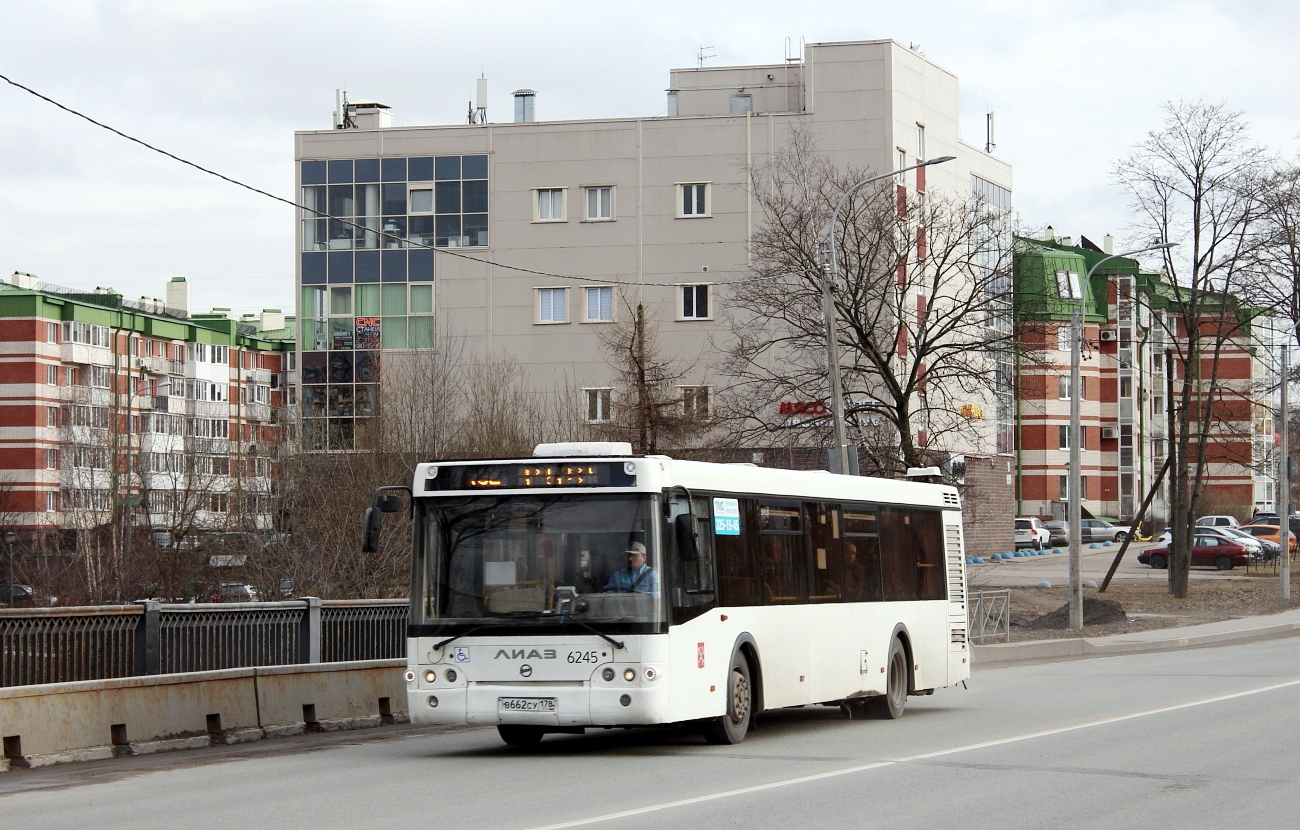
point(1074, 86)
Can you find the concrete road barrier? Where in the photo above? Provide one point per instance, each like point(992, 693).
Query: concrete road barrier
point(60, 722)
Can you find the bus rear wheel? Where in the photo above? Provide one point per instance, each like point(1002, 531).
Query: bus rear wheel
point(517, 735)
point(732, 727)
point(890, 705)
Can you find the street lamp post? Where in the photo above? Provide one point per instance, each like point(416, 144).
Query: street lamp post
point(828, 273)
point(10, 537)
point(1074, 495)
point(131, 456)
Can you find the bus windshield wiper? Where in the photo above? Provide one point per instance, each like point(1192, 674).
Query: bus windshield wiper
point(465, 633)
point(573, 619)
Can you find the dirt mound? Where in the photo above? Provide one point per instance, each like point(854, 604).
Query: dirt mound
point(1095, 612)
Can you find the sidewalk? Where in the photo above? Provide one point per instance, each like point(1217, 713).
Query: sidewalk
point(1163, 639)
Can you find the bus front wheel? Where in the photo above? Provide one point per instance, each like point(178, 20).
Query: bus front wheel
point(517, 735)
point(890, 705)
point(732, 727)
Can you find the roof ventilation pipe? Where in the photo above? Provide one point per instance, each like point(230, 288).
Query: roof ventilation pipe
point(524, 106)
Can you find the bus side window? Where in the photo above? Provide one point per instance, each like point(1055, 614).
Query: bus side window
point(737, 580)
point(862, 570)
point(826, 560)
point(927, 541)
point(897, 554)
point(781, 548)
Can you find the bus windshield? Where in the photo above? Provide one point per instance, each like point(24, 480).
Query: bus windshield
point(540, 559)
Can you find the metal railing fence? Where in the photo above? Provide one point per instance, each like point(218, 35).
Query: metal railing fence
point(990, 616)
point(57, 645)
point(375, 628)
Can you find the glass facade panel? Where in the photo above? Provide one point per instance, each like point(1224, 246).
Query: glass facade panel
point(394, 300)
point(422, 200)
point(367, 300)
point(474, 196)
point(420, 231)
point(340, 367)
point(313, 172)
point(394, 199)
point(394, 333)
point(419, 169)
point(394, 232)
point(475, 229)
point(421, 332)
point(422, 299)
point(364, 401)
point(448, 167)
point(394, 170)
point(366, 170)
point(340, 266)
point(448, 231)
point(367, 266)
point(313, 269)
point(474, 167)
point(314, 367)
point(340, 171)
point(448, 197)
point(421, 265)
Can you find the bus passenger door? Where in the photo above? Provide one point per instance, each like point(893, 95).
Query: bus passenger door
point(833, 646)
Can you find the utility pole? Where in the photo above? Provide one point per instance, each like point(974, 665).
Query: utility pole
point(1284, 482)
point(1075, 494)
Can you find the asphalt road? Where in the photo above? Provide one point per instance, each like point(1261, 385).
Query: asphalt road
point(1193, 738)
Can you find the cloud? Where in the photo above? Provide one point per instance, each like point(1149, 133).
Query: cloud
point(226, 84)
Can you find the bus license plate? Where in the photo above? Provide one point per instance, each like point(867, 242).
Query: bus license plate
point(526, 704)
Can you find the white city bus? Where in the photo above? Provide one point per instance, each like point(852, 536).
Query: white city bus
point(763, 589)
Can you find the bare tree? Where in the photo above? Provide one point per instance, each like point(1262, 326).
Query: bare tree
point(648, 406)
point(1194, 181)
point(923, 295)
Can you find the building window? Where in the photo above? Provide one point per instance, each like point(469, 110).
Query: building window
point(598, 405)
point(1063, 338)
point(51, 416)
point(52, 375)
point(220, 503)
point(51, 459)
point(900, 161)
point(989, 193)
point(421, 199)
point(696, 402)
point(741, 104)
point(1063, 388)
point(920, 142)
point(51, 332)
point(551, 303)
point(550, 204)
point(1067, 285)
point(1063, 439)
point(600, 304)
point(695, 303)
point(694, 200)
point(600, 204)
point(51, 501)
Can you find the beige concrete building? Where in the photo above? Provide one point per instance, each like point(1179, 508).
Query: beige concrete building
point(547, 230)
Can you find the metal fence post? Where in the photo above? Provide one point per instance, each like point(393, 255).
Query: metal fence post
point(309, 634)
point(148, 656)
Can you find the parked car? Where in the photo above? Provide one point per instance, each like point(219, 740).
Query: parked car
point(1218, 521)
point(1031, 533)
point(1276, 521)
point(1256, 547)
point(1058, 533)
point(1098, 530)
point(18, 596)
point(1207, 549)
point(239, 592)
point(1271, 534)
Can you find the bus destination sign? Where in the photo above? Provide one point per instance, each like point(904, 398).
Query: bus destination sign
point(540, 476)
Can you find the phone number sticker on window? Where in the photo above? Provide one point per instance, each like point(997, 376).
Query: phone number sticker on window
point(726, 517)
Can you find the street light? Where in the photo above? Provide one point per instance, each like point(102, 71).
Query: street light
point(10, 538)
point(841, 454)
point(151, 390)
point(1076, 474)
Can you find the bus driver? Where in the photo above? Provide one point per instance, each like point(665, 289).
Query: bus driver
point(636, 577)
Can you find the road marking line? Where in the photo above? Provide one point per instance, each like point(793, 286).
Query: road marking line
point(804, 779)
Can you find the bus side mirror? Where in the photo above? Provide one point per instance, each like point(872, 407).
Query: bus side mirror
point(370, 538)
point(684, 527)
point(388, 503)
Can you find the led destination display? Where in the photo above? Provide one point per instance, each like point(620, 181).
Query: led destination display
point(531, 476)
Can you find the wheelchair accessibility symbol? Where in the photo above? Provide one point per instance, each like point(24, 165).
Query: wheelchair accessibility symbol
point(460, 655)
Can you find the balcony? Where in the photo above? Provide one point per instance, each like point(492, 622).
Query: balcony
point(153, 365)
point(208, 409)
point(257, 412)
point(84, 354)
point(262, 376)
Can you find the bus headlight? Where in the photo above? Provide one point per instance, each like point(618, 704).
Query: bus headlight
point(651, 673)
point(629, 675)
point(430, 676)
point(410, 675)
point(629, 467)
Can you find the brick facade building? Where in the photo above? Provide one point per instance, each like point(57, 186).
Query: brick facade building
point(113, 408)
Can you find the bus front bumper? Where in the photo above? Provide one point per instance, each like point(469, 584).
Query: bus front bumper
point(540, 704)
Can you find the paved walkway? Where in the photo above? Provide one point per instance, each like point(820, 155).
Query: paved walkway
point(1163, 639)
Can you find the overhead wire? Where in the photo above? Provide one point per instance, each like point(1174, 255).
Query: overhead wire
point(323, 215)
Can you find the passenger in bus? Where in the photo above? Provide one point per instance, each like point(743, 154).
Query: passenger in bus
point(637, 577)
point(855, 576)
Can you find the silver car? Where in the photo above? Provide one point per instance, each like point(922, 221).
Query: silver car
point(1096, 530)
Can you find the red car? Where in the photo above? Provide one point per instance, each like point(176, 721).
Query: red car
point(1206, 550)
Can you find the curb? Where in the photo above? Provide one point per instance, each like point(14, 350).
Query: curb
point(1105, 646)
